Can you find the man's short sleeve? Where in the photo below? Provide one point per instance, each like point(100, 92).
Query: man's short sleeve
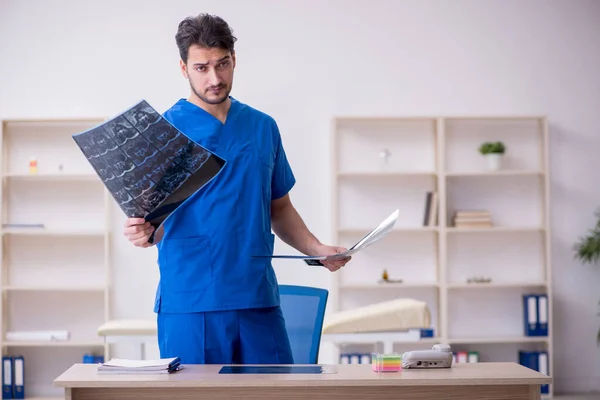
point(283, 177)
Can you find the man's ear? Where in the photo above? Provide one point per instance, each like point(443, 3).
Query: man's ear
point(183, 69)
point(233, 58)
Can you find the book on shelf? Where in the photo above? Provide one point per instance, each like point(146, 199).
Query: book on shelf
point(472, 219)
point(430, 217)
point(125, 366)
point(149, 167)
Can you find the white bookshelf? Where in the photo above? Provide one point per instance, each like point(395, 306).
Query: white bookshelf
point(440, 154)
point(55, 277)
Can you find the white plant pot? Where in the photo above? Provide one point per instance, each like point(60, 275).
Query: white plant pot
point(494, 161)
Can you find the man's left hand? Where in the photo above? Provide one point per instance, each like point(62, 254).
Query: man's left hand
point(333, 265)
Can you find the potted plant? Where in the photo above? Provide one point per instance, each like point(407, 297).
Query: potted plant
point(588, 250)
point(493, 151)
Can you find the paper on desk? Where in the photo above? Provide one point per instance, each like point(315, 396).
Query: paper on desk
point(140, 364)
point(124, 366)
point(372, 237)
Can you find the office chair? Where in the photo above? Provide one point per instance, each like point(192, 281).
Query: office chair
point(303, 308)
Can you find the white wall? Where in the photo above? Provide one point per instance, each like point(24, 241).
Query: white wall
point(74, 58)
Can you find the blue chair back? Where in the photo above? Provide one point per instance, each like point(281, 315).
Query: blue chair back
point(303, 308)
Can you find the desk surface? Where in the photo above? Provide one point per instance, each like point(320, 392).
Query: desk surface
point(207, 376)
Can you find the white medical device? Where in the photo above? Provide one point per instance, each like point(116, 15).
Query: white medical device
point(440, 356)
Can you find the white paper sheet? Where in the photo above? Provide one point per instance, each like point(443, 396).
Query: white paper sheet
point(371, 238)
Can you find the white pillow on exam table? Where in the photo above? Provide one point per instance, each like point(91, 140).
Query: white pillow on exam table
point(391, 316)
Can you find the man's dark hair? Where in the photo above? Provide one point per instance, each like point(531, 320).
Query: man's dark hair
point(204, 30)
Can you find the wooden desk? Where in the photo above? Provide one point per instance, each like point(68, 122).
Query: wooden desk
point(477, 381)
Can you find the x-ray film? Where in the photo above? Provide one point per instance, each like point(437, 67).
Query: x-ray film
point(149, 167)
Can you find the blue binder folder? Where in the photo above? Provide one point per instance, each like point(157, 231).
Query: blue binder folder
point(7, 377)
point(18, 377)
point(530, 315)
point(537, 361)
point(535, 314)
point(542, 315)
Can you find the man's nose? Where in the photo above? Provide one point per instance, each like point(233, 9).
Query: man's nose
point(213, 77)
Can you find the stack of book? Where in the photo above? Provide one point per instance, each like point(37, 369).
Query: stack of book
point(121, 366)
point(472, 219)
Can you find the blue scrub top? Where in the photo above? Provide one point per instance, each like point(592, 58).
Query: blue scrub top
point(205, 254)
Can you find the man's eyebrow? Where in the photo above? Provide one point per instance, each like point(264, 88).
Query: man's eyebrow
point(218, 61)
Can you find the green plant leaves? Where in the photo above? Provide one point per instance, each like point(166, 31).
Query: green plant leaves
point(492, 148)
point(588, 247)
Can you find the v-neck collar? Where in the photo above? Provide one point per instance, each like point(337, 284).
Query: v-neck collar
point(230, 113)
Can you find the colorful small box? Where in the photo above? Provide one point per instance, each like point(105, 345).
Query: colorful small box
point(386, 362)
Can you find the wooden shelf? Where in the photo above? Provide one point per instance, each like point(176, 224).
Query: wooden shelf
point(495, 285)
point(53, 289)
point(494, 173)
point(387, 174)
point(52, 177)
point(493, 229)
point(390, 286)
point(378, 165)
point(364, 231)
point(57, 343)
point(498, 340)
point(53, 232)
point(53, 277)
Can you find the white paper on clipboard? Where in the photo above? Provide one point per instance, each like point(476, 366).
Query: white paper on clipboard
point(371, 238)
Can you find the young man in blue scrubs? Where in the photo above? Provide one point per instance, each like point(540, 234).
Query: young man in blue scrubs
point(216, 304)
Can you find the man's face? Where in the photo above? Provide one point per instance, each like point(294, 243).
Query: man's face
point(210, 73)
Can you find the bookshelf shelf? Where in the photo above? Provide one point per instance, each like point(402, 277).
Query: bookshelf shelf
point(52, 177)
point(390, 286)
point(490, 223)
point(55, 249)
point(53, 344)
point(493, 229)
point(497, 340)
point(395, 230)
point(496, 285)
point(53, 289)
point(388, 174)
point(53, 232)
point(469, 174)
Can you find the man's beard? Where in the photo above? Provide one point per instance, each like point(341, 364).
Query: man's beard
point(209, 101)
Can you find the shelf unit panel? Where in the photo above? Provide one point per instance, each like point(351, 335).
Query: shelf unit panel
point(441, 154)
point(50, 142)
point(54, 277)
point(366, 202)
point(520, 260)
point(410, 145)
point(522, 138)
point(46, 261)
point(406, 256)
point(47, 202)
point(513, 201)
point(79, 313)
point(471, 316)
point(43, 365)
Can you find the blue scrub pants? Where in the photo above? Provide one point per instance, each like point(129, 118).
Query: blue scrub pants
point(250, 336)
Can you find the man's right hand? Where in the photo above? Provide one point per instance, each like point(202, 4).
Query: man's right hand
point(138, 231)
